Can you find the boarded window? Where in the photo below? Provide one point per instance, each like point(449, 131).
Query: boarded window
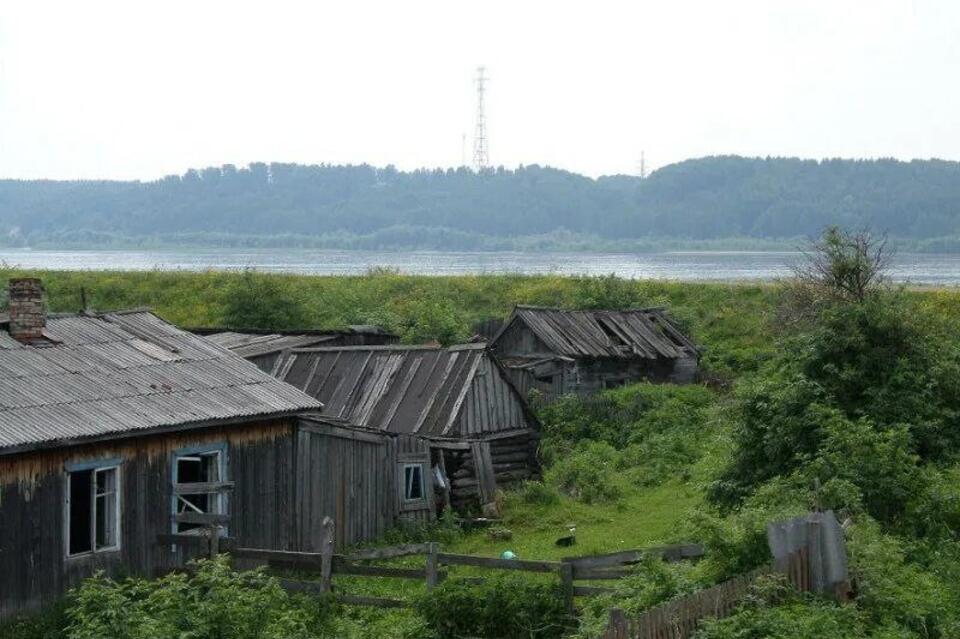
point(93, 510)
point(413, 482)
point(203, 469)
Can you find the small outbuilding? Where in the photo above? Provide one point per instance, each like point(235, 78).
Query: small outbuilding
point(124, 440)
point(481, 433)
point(558, 352)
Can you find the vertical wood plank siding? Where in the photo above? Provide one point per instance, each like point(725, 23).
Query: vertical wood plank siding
point(34, 570)
point(286, 480)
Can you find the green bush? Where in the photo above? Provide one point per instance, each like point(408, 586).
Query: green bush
point(538, 493)
point(49, 623)
point(212, 603)
point(255, 300)
point(500, 608)
point(588, 473)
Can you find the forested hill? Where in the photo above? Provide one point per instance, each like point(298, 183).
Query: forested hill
point(362, 206)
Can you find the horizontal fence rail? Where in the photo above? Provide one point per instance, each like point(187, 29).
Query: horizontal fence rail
point(606, 567)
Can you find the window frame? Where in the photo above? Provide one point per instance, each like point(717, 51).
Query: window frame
point(95, 467)
point(414, 466)
point(414, 460)
point(223, 468)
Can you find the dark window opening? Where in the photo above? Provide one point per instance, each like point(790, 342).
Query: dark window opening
point(413, 482)
point(614, 383)
point(92, 510)
point(80, 508)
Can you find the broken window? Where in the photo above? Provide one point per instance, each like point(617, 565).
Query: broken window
point(92, 509)
point(206, 471)
point(413, 482)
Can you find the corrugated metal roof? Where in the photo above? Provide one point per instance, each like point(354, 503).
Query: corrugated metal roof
point(253, 343)
point(643, 333)
point(100, 375)
point(250, 345)
point(416, 389)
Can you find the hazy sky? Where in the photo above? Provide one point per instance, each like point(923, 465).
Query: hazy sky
point(138, 89)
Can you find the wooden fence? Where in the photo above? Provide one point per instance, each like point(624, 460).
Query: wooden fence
point(680, 618)
point(327, 564)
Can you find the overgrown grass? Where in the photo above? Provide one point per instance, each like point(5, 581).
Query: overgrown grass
point(730, 320)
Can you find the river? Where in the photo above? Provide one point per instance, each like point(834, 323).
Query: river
point(686, 265)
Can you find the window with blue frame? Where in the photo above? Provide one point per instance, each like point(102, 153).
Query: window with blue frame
point(92, 507)
point(205, 468)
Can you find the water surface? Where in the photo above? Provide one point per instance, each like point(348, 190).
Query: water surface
point(690, 265)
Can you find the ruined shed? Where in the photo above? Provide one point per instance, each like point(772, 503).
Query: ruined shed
point(481, 433)
point(557, 352)
point(124, 439)
point(263, 347)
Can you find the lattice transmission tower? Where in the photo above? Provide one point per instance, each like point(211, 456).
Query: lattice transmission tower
point(481, 153)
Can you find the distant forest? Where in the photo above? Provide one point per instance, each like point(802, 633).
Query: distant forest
point(719, 202)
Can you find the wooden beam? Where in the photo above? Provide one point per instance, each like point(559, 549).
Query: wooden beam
point(390, 552)
point(308, 559)
point(203, 519)
point(202, 488)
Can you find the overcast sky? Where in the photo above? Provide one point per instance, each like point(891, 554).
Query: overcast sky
point(139, 89)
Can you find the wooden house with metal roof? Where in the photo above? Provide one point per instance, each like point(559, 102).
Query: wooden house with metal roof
point(124, 439)
point(481, 432)
point(263, 347)
point(557, 352)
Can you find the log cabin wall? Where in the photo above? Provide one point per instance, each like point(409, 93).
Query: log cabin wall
point(514, 458)
point(34, 567)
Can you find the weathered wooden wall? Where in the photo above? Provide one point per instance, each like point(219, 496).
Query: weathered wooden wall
point(491, 405)
point(590, 376)
point(34, 569)
point(353, 477)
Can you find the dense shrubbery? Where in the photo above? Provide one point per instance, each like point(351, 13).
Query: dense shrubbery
point(214, 603)
point(499, 608)
point(639, 435)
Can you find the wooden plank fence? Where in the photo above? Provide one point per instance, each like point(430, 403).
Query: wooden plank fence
point(595, 567)
point(680, 618)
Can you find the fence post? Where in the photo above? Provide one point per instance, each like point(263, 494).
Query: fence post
point(214, 541)
point(617, 626)
point(326, 554)
point(431, 568)
point(566, 583)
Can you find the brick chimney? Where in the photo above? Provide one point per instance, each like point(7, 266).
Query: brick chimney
point(27, 314)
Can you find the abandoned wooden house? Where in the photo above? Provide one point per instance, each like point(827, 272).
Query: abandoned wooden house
point(263, 347)
point(123, 440)
point(558, 352)
point(481, 433)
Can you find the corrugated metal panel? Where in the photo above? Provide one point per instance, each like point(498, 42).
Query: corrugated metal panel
point(103, 375)
point(646, 333)
point(396, 389)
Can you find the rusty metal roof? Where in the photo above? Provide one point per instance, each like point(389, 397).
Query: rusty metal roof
point(640, 333)
point(113, 373)
point(406, 389)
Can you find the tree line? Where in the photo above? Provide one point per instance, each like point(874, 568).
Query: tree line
point(710, 198)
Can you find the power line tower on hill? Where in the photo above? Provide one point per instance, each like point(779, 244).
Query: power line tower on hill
point(481, 154)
